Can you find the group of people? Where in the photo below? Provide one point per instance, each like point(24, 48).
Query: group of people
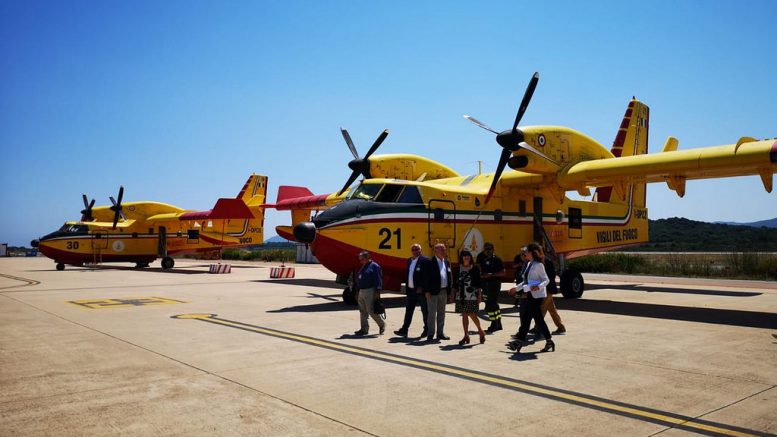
point(431, 285)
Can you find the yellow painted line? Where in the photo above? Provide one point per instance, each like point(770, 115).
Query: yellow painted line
point(99, 304)
point(16, 278)
point(580, 399)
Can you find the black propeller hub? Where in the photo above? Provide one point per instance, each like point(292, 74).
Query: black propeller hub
point(305, 232)
point(510, 139)
point(362, 166)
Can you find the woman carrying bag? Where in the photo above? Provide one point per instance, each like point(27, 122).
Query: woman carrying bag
point(534, 282)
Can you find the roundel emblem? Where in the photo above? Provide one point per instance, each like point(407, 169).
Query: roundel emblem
point(541, 139)
point(118, 246)
point(473, 242)
point(131, 208)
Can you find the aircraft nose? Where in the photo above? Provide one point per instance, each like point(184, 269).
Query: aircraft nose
point(305, 232)
point(35, 243)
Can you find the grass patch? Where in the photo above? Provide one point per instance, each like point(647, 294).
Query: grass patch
point(734, 265)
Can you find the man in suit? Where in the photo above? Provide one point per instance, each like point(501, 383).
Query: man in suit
point(414, 276)
point(439, 282)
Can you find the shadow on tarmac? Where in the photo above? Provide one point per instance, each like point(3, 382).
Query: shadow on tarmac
point(318, 283)
point(750, 319)
point(647, 289)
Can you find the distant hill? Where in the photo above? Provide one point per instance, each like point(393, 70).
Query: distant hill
point(683, 235)
point(276, 239)
point(771, 223)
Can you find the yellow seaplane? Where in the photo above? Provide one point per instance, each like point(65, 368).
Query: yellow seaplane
point(406, 199)
point(141, 232)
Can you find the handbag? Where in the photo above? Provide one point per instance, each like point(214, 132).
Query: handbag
point(379, 309)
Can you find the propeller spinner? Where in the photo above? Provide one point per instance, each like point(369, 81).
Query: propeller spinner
point(86, 213)
point(360, 165)
point(117, 208)
point(511, 140)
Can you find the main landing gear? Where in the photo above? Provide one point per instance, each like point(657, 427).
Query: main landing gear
point(572, 284)
point(141, 265)
point(60, 266)
point(167, 263)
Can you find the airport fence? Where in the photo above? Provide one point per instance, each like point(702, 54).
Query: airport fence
point(739, 265)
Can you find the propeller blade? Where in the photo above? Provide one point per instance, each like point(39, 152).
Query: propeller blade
point(91, 204)
point(113, 201)
point(86, 201)
point(377, 143)
point(535, 151)
point(526, 99)
point(480, 124)
point(121, 194)
point(503, 158)
point(349, 142)
point(353, 177)
point(115, 219)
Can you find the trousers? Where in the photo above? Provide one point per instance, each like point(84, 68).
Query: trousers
point(533, 311)
point(413, 299)
point(492, 289)
point(366, 301)
point(548, 306)
point(436, 318)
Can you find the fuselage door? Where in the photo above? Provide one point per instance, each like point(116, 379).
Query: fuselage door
point(442, 222)
point(99, 240)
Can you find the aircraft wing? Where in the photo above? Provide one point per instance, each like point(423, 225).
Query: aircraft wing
point(109, 225)
point(747, 157)
point(224, 209)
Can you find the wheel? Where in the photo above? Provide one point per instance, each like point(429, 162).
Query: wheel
point(167, 263)
point(349, 297)
point(60, 266)
point(572, 284)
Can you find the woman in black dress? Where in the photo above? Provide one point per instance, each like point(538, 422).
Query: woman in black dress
point(468, 295)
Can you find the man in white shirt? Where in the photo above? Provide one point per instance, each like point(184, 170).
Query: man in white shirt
point(414, 290)
point(437, 287)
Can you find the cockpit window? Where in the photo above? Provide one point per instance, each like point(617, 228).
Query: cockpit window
point(410, 195)
point(389, 193)
point(365, 191)
point(74, 228)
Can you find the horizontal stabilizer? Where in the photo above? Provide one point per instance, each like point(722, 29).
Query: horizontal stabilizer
point(224, 209)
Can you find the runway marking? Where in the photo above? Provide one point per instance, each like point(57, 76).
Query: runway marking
point(16, 278)
point(98, 304)
point(580, 399)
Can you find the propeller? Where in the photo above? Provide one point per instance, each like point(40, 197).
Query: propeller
point(511, 140)
point(117, 208)
point(86, 213)
point(360, 165)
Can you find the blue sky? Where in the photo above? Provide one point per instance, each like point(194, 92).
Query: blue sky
point(180, 101)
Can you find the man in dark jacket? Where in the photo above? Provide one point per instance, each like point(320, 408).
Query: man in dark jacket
point(438, 284)
point(370, 281)
point(414, 275)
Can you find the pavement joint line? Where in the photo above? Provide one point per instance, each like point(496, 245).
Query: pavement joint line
point(580, 399)
point(207, 372)
point(28, 282)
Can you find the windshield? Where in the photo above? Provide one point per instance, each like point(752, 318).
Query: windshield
point(366, 192)
point(73, 228)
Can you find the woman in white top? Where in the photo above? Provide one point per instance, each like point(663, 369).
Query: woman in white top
point(534, 282)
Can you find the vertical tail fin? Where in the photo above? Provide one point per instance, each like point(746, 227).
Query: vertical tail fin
point(631, 139)
point(253, 194)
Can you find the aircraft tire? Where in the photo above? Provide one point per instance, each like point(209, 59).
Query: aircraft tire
point(60, 266)
point(349, 296)
point(167, 263)
point(572, 284)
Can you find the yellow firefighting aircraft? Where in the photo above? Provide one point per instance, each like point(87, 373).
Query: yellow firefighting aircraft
point(140, 232)
point(395, 206)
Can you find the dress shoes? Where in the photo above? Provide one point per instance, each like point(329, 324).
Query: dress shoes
point(443, 337)
point(400, 333)
point(360, 333)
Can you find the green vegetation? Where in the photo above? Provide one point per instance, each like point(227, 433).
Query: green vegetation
point(740, 265)
point(285, 252)
point(683, 235)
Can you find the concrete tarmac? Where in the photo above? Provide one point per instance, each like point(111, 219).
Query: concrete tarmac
point(119, 351)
